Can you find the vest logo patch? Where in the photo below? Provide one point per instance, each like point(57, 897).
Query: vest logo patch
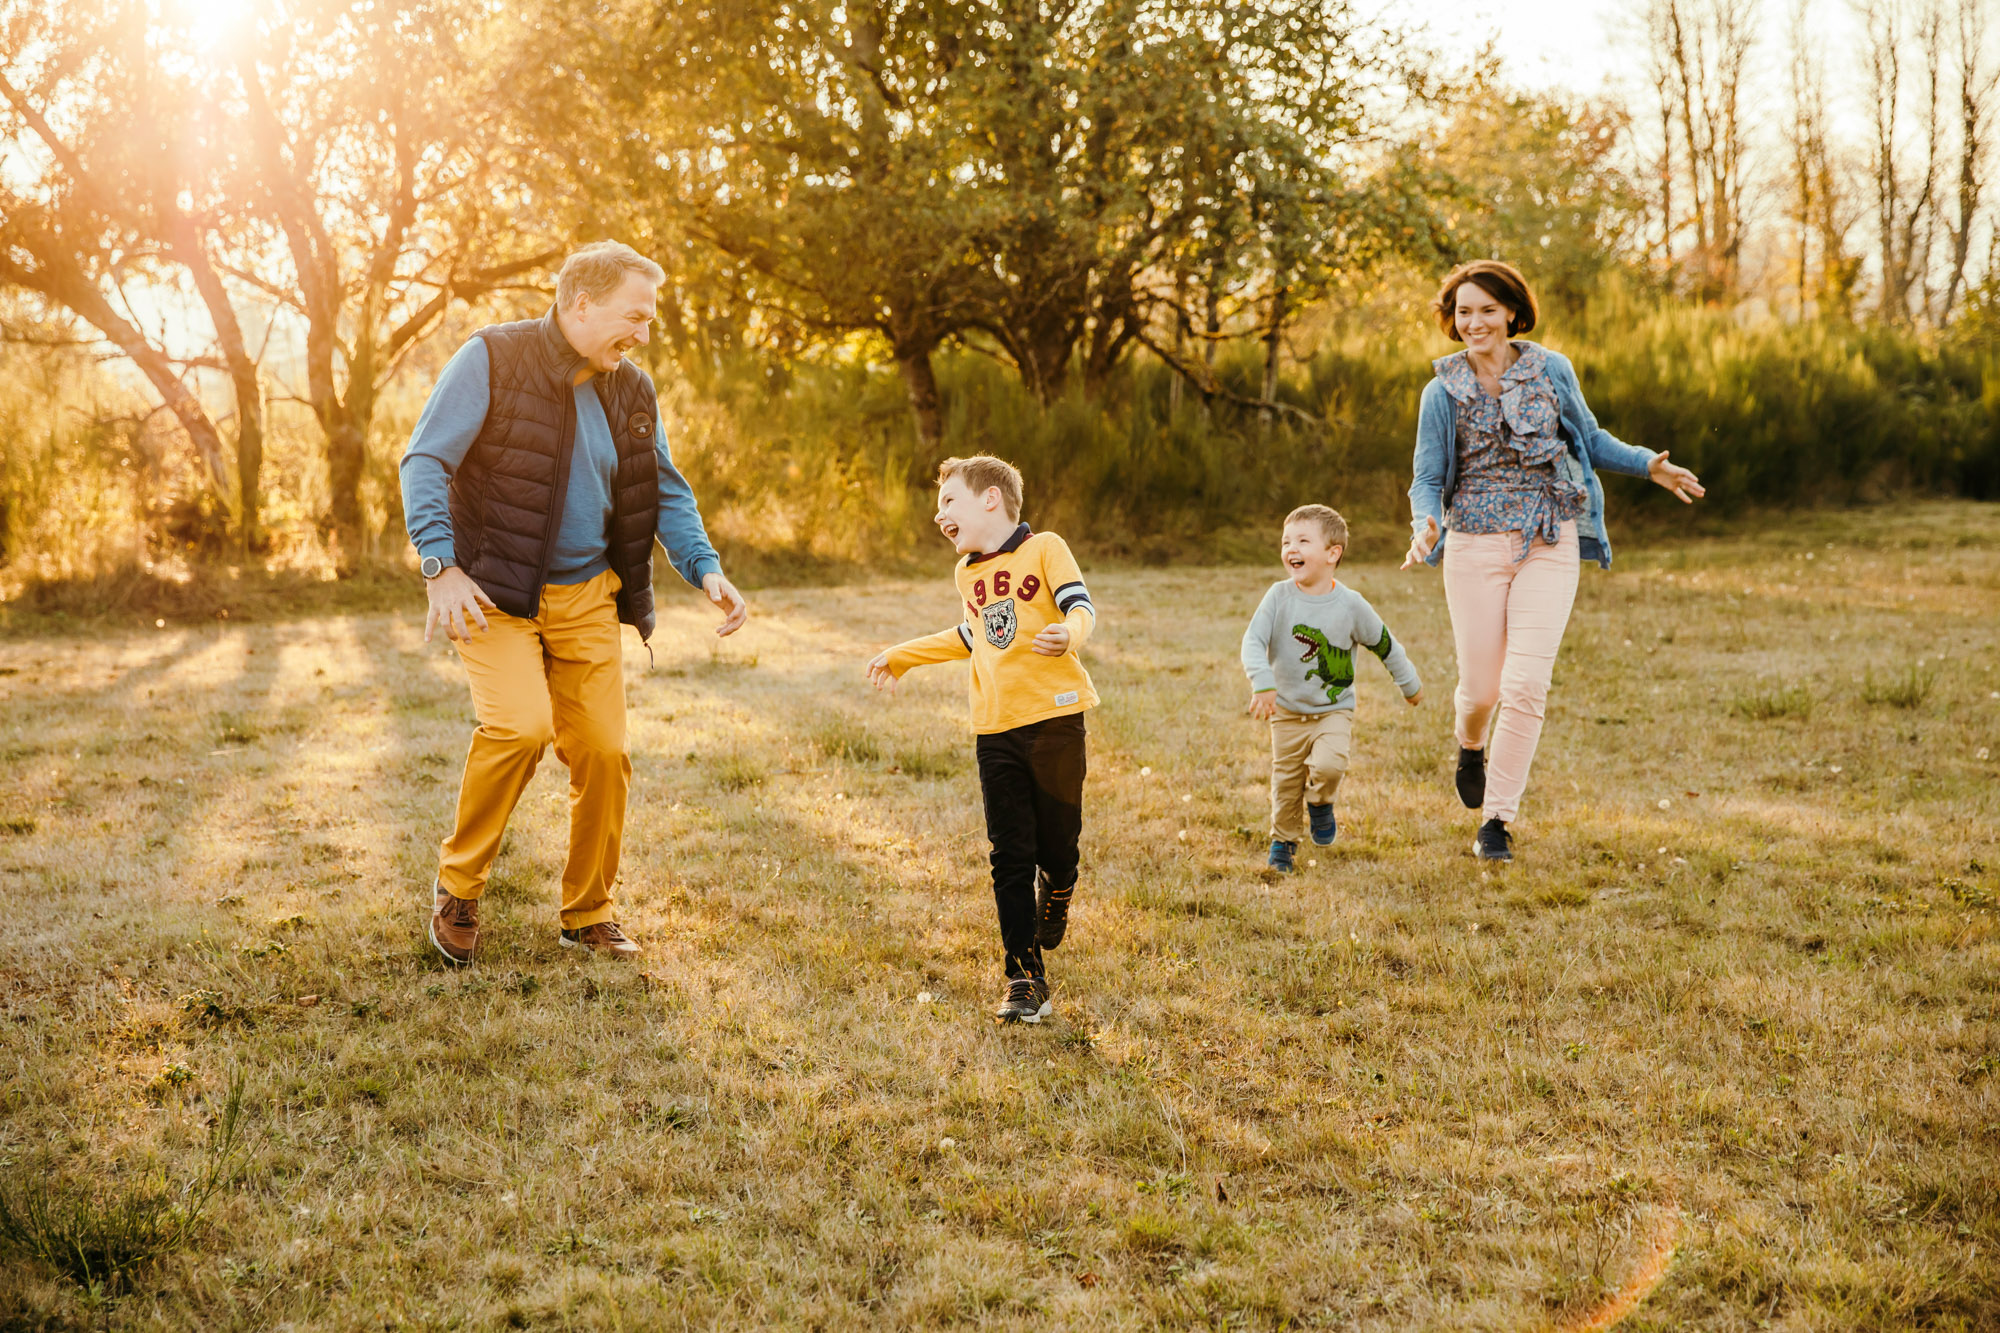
point(1066, 697)
point(641, 426)
point(1000, 622)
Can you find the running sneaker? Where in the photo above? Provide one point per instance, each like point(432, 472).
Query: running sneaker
point(1027, 1001)
point(1494, 843)
point(1471, 777)
point(1281, 856)
point(603, 938)
point(454, 925)
point(1051, 910)
point(1323, 827)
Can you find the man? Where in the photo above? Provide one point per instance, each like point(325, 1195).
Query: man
point(534, 486)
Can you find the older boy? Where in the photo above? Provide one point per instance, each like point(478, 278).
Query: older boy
point(1299, 655)
point(1027, 614)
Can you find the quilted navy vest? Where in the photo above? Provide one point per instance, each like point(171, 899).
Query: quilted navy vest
point(507, 496)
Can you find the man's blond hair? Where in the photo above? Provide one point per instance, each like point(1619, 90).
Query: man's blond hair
point(600, 269)
point(982, 471)
point(1332, 527)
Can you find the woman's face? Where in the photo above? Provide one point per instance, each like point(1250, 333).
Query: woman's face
point(1482, 320)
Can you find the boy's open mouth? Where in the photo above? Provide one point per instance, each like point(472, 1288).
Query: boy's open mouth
point(949, 529)
point(1296, 561)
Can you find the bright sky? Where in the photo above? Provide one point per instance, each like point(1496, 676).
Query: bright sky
point(1594, 46)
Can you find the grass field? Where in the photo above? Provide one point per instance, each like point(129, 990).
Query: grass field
point(1728, 1026)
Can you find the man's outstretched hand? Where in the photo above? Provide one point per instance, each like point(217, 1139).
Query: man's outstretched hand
point(723, 593)
point(455, 603)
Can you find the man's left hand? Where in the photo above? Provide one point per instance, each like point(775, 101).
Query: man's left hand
point(723, 593)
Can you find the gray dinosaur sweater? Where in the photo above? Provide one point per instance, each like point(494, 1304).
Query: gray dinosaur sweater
point(1303, 647)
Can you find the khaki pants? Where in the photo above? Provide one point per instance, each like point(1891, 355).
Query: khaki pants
point(1308, 759)
point(560, 677)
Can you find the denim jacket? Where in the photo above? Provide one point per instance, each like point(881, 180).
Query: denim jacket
point(1435, 466)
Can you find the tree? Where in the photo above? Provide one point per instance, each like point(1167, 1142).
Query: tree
point(1699, 52)
point(1976, 77)
point(106, 199)
point(378, 149)
point(1538, 180)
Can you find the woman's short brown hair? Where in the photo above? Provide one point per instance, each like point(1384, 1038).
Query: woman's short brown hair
point(1502, 281)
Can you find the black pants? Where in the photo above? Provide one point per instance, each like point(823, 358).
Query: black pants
point(1032, 779)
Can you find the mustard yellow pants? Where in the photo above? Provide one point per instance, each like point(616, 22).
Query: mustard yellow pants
point(560, 677)
point(1308, 760)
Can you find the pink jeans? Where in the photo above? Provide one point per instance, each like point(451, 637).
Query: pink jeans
point(1507, 616)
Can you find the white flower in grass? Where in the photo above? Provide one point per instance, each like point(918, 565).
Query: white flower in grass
point(1311, 861)
point(1183, 835)
point(946, 1145)
point(925, 997)
point(1186, 797)
point(1145, 772)
point(1665, 803)
point(1983, 753)
point(1833, 768)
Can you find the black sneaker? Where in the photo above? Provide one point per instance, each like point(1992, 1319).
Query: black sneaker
point(1494, 843)
point(1027, 1001)
point(1281, 856)
point(1051, 910)
point(1323, 827)
point(1471, 777)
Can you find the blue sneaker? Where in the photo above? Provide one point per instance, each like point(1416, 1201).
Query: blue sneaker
point(1281, 856)
point(1323, 827)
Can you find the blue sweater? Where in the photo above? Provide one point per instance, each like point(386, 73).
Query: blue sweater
point(1435, 466)
point(450, 423)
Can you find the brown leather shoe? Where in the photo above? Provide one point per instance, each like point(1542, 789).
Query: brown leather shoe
point(455, 926)
point(602, 938)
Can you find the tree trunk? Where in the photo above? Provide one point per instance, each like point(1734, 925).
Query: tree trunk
point(925, 406)
point(346, 462)
point(1273, 341)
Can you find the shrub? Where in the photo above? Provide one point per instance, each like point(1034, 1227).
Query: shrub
point(99, 1238)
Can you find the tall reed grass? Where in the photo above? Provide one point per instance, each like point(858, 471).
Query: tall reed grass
point(811, 467)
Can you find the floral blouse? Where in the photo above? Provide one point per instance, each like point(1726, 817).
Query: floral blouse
point(1511, 456)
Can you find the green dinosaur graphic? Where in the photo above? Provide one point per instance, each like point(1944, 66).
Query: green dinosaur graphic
point(1382, 646)
point(1335, 666)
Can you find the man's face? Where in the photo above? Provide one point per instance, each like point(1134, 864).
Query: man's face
point(603, 331)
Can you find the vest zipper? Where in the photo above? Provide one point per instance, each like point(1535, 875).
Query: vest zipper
point(565, 438)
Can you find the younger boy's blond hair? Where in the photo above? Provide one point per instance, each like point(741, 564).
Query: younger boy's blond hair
point(1332, 527)
point(984, 470)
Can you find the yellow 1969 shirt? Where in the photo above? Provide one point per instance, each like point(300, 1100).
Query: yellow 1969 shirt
point(1010, 596)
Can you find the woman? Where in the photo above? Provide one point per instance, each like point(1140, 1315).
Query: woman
point(1507, 459)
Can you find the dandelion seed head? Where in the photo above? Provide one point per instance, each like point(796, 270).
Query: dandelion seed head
point(946, 1145)
point(1665, 803)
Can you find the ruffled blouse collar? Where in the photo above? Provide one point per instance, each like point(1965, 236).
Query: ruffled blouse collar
point(1461, 381)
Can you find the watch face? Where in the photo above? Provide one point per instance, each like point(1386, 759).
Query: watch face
point(432, 566)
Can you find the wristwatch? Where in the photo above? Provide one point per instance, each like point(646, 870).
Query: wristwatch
point(432, 566)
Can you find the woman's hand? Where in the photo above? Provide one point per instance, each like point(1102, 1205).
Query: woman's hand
point(1264, 705)
point(879, 674)
point(1421, 544)
point(1675, 478)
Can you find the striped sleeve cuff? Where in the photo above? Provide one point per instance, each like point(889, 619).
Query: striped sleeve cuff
point(965, 635)
point(1072, 595)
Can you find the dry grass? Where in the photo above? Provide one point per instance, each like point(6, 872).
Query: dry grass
point(1732, 1017)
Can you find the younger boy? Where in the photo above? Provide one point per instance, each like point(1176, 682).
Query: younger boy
point(1299, 655)
point(1027, 614)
